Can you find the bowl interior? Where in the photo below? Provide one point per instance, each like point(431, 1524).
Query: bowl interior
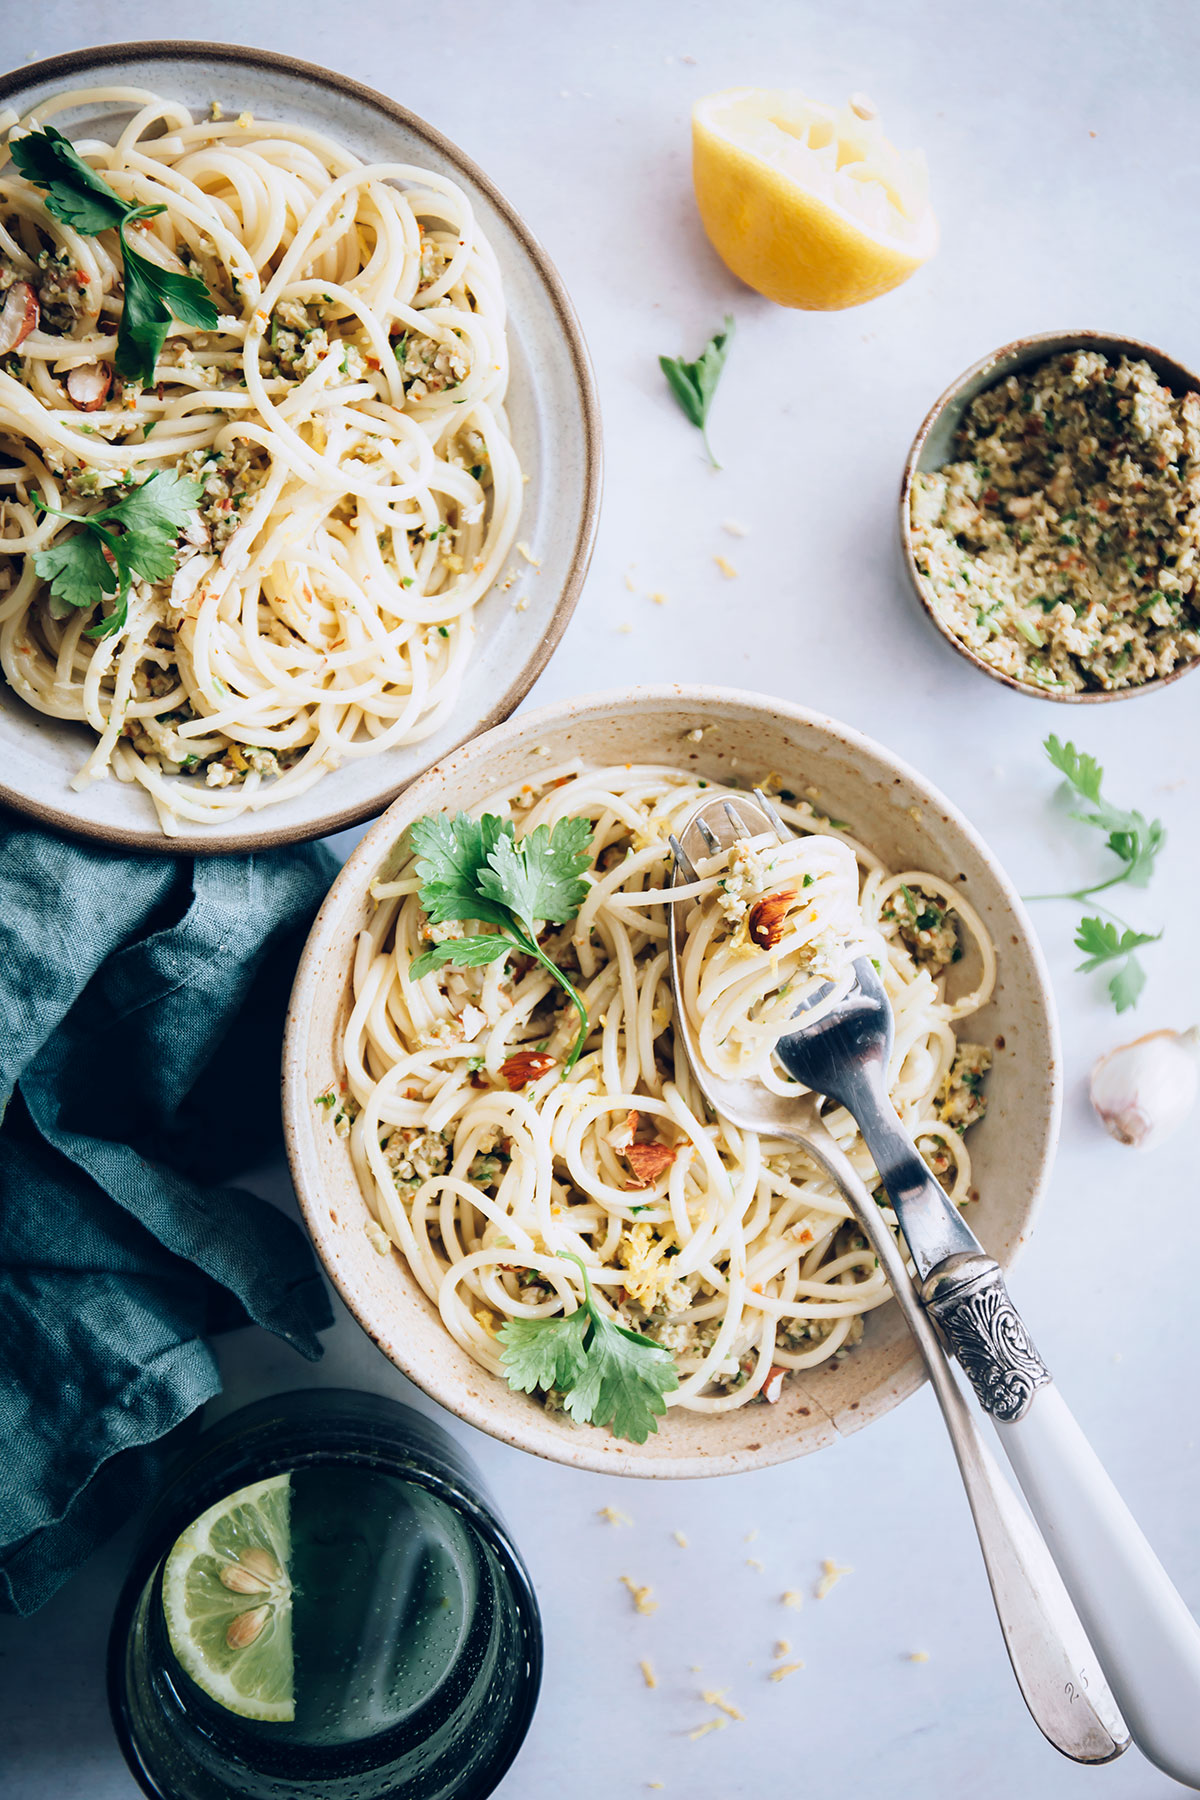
point(552, 412)
point(911, 826)
point(933, 448)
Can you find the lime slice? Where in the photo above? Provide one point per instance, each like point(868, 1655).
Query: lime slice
point(228, 1601)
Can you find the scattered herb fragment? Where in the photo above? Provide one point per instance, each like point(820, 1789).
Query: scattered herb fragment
point(694, 383)
point(1101, 943)
point(606, 1374)
point(1135, 841)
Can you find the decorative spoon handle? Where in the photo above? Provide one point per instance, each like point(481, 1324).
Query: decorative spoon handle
point(1144, 1637)
point(1055, 1666)
point(1147, 1641)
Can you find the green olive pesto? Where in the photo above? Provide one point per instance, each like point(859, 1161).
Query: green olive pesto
point(1062, 545)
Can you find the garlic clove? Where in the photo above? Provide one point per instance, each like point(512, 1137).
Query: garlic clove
point(1143, 1091)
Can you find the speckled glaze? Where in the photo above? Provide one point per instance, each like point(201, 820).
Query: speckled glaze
point(932, 448)
point(911, 825)
point(552, 410)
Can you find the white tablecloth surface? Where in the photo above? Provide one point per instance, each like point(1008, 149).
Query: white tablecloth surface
point(1063, 154)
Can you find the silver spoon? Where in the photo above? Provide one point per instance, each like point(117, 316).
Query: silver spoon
point(1055, 1667)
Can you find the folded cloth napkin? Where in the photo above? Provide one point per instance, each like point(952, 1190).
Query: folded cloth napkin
point(141, 1014)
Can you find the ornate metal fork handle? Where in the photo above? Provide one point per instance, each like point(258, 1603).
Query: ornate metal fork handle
point(967, 1298)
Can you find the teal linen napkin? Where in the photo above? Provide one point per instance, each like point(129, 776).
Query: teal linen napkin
point(141, 1016)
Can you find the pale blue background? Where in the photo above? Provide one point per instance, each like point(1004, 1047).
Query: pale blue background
point(1063, 149)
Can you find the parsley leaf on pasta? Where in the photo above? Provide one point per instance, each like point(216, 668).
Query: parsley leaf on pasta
point(77, 569)
point(606, 1374)
point(451, 853)
point(541, 876)
point(154, 296)
point(463, 953)
point(544, 1353)
point(478, 869)
point(77, 195)
point(95, 561)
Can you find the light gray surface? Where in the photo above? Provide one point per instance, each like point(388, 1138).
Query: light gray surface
point(580, 114)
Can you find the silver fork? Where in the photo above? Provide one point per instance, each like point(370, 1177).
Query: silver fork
point(1146, 1642)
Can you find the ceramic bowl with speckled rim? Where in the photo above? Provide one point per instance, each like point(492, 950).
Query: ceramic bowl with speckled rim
point(552, 411)
point(910, 825)
point(932, 449)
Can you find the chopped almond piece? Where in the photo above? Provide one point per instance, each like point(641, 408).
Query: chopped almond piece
point(647, 1162)
point(765, 923)
point(773, 1385)
point(524, 1067)
point(621, 1136)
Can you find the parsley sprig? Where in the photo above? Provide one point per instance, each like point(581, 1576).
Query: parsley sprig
point(154, 296)
point(137, 536)
point(694, 383)
point(1135, 841)
point(606, 1374)
point(475, 869)
point(1102, 943)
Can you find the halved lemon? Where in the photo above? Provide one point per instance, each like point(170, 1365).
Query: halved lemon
point(811, 206)
point(227, 1598)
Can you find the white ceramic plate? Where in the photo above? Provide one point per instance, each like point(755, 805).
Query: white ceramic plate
point(552, 409)
point(910, 825)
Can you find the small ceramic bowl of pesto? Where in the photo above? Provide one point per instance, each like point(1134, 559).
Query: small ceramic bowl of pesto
point(1045, 518)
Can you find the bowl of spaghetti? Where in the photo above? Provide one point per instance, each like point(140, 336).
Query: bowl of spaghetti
point(491, 1127)
point(299, 450)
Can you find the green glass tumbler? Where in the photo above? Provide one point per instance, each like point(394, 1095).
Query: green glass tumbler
point(413, 1643)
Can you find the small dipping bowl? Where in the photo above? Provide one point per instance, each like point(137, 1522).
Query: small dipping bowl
point(413, 1623)
point(933, 447)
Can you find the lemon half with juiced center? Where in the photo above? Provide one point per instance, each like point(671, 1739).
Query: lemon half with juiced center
point(808, 204)
point(227, 1598)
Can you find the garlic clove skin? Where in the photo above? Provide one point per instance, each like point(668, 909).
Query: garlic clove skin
point(1143, 1091)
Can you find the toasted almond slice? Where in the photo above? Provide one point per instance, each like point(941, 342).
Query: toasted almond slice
point(88, 385)
point(19, 318)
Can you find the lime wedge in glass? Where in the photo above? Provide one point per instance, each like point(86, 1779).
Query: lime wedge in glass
point(227, 1598)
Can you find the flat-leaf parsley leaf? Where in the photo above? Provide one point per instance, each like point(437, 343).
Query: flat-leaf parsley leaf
point(694, 383)
point(1135, 841)
point(1132, 838)
point(606, 1374)
point(477, 869)
point(95, 562)
point(154, 296)
point(1101, 943)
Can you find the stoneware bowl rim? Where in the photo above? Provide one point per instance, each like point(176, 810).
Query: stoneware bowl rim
point(471, 1393)
point(253, 831)
point(1021, 353)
